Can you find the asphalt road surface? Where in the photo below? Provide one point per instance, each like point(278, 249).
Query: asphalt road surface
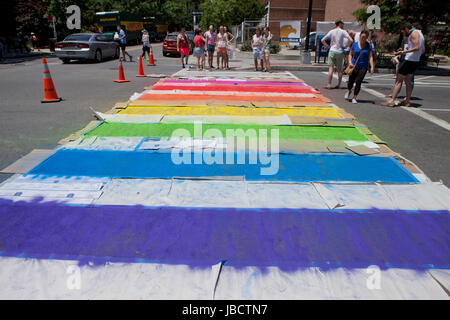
point(26, 124)
point(414, 136)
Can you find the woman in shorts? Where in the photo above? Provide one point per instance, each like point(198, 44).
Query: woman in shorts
point(221, 45)
point(229, 54)
point(257, 42)
point(199, 49)
point(267, 39)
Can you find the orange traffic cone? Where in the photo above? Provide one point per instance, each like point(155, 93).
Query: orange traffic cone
point(141, 68)
point(50, 94)
point(121, 73)
point(150, 57)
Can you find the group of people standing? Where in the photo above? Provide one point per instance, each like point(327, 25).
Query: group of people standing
point(207, 44)
point(359, 51)
point(210, 42)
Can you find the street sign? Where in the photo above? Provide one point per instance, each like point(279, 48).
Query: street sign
point(197, 13)
point(51, 19)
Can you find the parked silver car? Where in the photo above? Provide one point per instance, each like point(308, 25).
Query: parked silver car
point(87, 46)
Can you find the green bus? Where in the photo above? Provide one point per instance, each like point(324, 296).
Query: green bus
point(156, 31)
point(107, 23)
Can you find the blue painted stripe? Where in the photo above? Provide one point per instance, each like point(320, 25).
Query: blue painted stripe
point(292, 167)
point(200, 237)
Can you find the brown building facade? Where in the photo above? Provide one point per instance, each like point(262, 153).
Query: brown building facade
point(286, 10)
point(343, 9)
point(322, 10)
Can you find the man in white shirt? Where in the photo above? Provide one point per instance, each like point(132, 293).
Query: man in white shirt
point(336, 53)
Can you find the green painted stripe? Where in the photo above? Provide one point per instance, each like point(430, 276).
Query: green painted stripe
point(157, 130)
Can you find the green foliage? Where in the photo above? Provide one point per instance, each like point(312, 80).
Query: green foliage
point(29, 15)
point(388, 44)
point(179, 13)
point(443, 51)
point(229, 12)
point(274, 48)
point(391, 19)
point(58, 9)
point(424, 12)
point(246, 46)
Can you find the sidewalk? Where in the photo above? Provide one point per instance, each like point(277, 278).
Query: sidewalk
point(286, 60)
point(289, 60)
point(14, 57)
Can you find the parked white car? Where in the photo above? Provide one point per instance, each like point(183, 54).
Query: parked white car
point(87, 46)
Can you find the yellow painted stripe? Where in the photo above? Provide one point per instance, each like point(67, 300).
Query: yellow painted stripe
point(236, 111)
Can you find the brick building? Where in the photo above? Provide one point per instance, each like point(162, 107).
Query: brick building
point(322, 10)
point(342, 9)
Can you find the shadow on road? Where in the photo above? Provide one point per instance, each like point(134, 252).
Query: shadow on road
point(26, 57)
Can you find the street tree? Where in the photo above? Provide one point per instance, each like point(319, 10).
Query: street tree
point(394, 13)
point(229, 12)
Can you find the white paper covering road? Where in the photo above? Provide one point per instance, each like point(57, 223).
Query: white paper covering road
point(58, 279)
point(313, 283)
point(233, 75)
point(243, 194)
point(221, 192)
point(65, 279)
point(63, 190)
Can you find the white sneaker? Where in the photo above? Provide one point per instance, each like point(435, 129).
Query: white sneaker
point(347, 94)
point(354, 101)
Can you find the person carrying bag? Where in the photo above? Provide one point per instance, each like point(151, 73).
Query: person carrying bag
point(350, 68)
point(358, 68)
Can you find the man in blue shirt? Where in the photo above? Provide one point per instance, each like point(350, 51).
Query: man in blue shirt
point(123, 43)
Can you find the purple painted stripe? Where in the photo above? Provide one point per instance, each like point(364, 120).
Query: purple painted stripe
point(249, 82)
point(200, 237)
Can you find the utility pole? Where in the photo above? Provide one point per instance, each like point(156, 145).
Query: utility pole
point(306, 55)
point(308, 25)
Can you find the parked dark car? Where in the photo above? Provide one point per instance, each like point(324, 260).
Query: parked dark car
point(87, 46)
point(312, 41)
point(170, 43)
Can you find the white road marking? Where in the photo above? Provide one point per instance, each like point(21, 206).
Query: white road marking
point(381, 76)
point(424, 85)
point(292, 75)
point(374, 93)
point(442, 123)
point(416, 81)
point(429, 109)
point(420, 79)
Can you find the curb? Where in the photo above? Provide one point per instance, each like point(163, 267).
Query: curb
point(437, 72)
point(319, 68)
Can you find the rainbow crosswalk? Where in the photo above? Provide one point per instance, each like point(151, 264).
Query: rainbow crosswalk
point(225, 185)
